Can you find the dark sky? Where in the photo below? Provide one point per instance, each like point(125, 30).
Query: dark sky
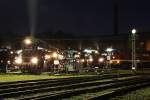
point(75, 16)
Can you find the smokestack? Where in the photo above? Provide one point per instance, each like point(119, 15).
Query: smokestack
point(115, 17)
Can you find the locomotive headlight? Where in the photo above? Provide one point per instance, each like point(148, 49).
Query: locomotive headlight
point(55, 55)
point(34, 60)
point(8, 62)
point(101, 60)
point(18, 60)
point(118, 61)
point(11, 52)
point(91, 60)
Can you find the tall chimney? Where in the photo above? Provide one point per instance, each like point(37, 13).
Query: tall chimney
point(115, 17)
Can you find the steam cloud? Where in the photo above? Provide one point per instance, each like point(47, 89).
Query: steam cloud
point(32, 9)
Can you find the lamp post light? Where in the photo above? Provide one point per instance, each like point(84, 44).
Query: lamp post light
point(27, 41)
point(56, 62)
point(109, 51)
point(133, 50)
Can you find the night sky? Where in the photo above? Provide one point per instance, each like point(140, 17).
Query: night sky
point(80, 17)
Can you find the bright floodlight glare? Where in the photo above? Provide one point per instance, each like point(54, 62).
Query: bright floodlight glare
point(96, 52)
point(8, 62)
point(101, 60)
point(133, 68)
point(91, 60)
point(27, 41)
point(133, 31)
point(82, 60)
point(118, 61)
point(88, 51)
point(60, 57)
point(109, 49)
point(47, 56)
point(34, 60)
point(55, 55)
point(11, 52)
point(77, 56)
point(18, 60)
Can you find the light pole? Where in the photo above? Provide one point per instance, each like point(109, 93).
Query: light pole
point(109, 51)
point(133, 50)
point(56, 62)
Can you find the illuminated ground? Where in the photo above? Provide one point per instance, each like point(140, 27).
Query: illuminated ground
point(20, 77)
point(12, 77)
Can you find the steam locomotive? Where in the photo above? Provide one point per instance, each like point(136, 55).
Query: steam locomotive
point(32, 59)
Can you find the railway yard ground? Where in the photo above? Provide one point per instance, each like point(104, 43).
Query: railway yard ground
point(140, 94)
point(22, 77)
point(17, 76)
point(118, 85)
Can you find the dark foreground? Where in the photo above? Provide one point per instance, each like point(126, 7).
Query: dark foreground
point(103, 86)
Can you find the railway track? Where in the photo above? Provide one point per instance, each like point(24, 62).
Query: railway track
point(120, 91)
point(77, 91)
point(9, 85)
point(57, 89)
